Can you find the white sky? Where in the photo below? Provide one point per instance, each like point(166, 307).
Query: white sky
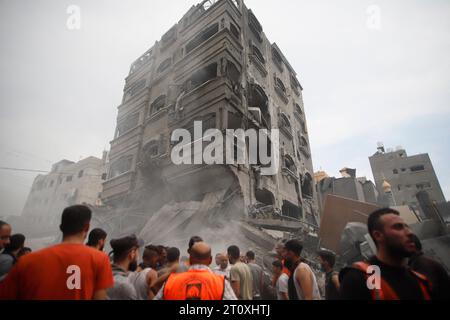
point(59, 89)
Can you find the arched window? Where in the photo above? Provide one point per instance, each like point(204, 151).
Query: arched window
point(298, 109)
point(290, 164)
point(284, 121)
point(307, 186)
point(258, 55)
point(280, 85)
point(158, 105)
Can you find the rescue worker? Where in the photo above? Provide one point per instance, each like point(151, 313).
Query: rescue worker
point(199, 282)
point(386, 276)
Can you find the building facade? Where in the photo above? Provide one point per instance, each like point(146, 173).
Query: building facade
point(216, 66)
point(348, 186)
point(67, 184)
point(406, 176)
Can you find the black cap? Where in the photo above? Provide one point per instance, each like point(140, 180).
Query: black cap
point(124, 244)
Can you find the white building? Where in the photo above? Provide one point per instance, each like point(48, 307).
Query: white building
point(67, 184)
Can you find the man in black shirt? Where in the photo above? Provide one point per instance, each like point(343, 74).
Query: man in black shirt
point(394, 241)
point(327, 260)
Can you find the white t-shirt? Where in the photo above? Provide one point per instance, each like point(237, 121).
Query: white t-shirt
point(221, 272)
point(282, 285)
point(316, 293)
point(139, 281)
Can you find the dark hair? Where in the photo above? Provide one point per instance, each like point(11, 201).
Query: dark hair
point(193, 241)
point(328, 256)
point(250, 255)
point(149, 252)
point(374, 220)
point(121, 247)
point(234, 252)
point(23, 251)
point(75, 219)
point(417, 242)
point(173, 254)
point(294, 246)
point(277, 264)
point(16, 242)
point(160, 249)
point(95, 236)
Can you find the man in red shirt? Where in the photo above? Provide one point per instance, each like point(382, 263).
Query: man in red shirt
point(67, 271)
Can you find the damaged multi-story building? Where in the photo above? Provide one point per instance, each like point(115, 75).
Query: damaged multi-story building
point(217, 66)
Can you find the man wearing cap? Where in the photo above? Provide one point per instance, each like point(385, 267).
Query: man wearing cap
point(199, 283)
point(125, 254)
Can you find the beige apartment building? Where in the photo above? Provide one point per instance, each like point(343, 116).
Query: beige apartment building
point(215, 65)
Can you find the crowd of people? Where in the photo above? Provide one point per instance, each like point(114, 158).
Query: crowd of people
point(74, 269)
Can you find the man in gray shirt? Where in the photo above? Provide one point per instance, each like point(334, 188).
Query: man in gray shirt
point(257, 273)
point(125, 255)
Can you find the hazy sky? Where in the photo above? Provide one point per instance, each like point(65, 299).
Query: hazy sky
point(59, 89)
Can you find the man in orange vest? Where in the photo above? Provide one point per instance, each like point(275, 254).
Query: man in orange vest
point(199, 282)
point(386, 276)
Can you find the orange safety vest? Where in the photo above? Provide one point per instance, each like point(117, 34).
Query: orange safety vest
point(194, 285)
point(386, 292)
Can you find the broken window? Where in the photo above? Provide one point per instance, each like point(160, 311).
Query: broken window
point(233, 73)
point(303, 142)
point(254, 25)
point(80, 174)
point(151, 149)
point(307, 186)
point(69, 178)
point(127, 124)
point(395, 171)
point(298, 109)
point(285, 125)
point(265, 197)
point(235, 31)
point(280, 85)
point(165, 65)
point(234, 121)
point(276, 57)
point(417, 168)
point(295, 84)
point(158, 105)
point(258, 99)
point(201, 76)
point(423, 185)
point(284, 122)
point(202, 37)
point(291, 210)
point(135, 89)
point(290, 164)
point(258, 55)
point(120, 166)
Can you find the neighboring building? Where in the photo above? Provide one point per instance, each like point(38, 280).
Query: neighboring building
point(214, 65)
point(349, 187)
point(406, 176)
point(68, 183)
